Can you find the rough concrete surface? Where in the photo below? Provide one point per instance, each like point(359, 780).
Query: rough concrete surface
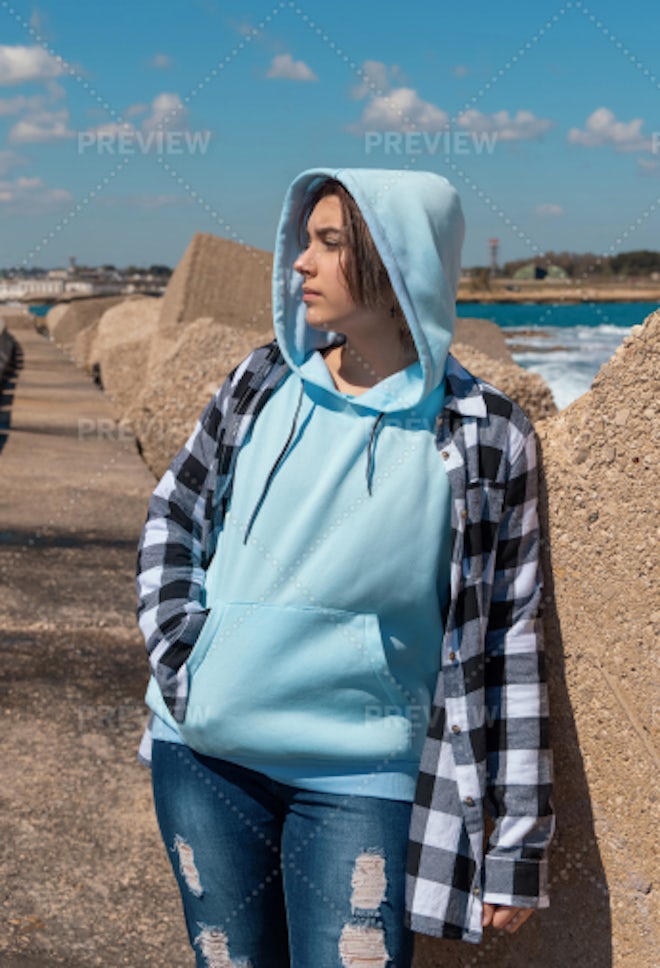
point(120, 350)
point(65, 320)
point(219, 278)
point(177, 385)
point(600, 459)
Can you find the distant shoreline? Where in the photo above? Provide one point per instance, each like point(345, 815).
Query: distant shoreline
point(499, 294)
point(561, 295)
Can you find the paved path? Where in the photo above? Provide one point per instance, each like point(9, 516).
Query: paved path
point(85, 880)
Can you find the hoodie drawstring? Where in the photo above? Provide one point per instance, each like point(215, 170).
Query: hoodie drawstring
point(273, 470)
point(371, 450)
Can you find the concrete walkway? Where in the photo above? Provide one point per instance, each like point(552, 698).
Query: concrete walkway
point(85, 876)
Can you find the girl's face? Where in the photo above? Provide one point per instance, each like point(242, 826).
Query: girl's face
point(325, 291)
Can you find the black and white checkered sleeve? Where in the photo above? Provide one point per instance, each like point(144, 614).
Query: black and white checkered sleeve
point(519, 759)
point(171, 556)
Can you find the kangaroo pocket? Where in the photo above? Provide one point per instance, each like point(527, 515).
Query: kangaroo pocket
point(278, 683)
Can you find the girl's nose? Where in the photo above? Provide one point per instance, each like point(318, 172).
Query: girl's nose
point(304, 264)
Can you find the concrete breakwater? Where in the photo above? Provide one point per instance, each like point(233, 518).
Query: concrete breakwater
point(75, 670)
point(6, 347)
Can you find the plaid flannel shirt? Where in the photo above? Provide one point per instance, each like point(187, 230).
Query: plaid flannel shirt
point(487, 745)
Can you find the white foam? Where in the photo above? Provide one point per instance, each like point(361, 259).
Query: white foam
point(569, 371)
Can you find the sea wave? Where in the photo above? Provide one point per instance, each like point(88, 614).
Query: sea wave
point(567, 359)
point(566, 344)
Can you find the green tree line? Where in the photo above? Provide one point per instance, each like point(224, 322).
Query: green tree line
point(641, 262)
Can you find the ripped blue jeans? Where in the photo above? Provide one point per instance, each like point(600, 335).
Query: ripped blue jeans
point(274, 876)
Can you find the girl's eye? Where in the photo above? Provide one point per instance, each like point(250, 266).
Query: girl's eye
point(332, 243)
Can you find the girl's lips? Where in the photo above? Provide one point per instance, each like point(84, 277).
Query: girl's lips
point(310, 295)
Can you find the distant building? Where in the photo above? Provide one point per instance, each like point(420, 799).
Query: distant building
point(79, 281)
point(86, 288)
point(533, 271)
point(21, 288)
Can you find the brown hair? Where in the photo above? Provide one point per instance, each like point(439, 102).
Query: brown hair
point(366, 276)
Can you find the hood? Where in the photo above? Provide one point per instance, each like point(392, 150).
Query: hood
point(417, 225)
point(416, 222)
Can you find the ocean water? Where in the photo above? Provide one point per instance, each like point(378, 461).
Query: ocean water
point(40, 310)
point(567, 345)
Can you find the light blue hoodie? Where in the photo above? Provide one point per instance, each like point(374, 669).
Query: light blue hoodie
point(321, 651)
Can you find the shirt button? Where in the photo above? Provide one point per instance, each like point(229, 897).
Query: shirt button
point(445, 454)
point(476, 891)
point(464, 514)
point(456, 728)
point(469, 801)
point(452, 656)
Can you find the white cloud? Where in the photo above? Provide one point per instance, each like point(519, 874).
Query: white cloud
point(41, 123)
point(110, 129)
point(165, 128)
point(10, 159)
point(136, 109)
point(29, 196)
point(244, 28)
point(41, 126)
point(391, 108)
point(14, 105)
point(649, 166)
point(400, 110)
point(375, 80)
point(39, 23)
point(167, 113)
point(161, 62)
point(602, 128)
point(549, 208)
point(284, 66)
point(32, 102)
point(523, 126)
point(19, 64)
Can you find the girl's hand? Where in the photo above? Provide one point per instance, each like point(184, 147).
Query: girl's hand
point(505, 916)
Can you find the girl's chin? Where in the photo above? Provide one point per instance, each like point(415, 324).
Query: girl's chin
point(325, 323)
point(317, 323)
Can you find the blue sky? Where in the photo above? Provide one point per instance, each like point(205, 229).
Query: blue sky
point(125, 128)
